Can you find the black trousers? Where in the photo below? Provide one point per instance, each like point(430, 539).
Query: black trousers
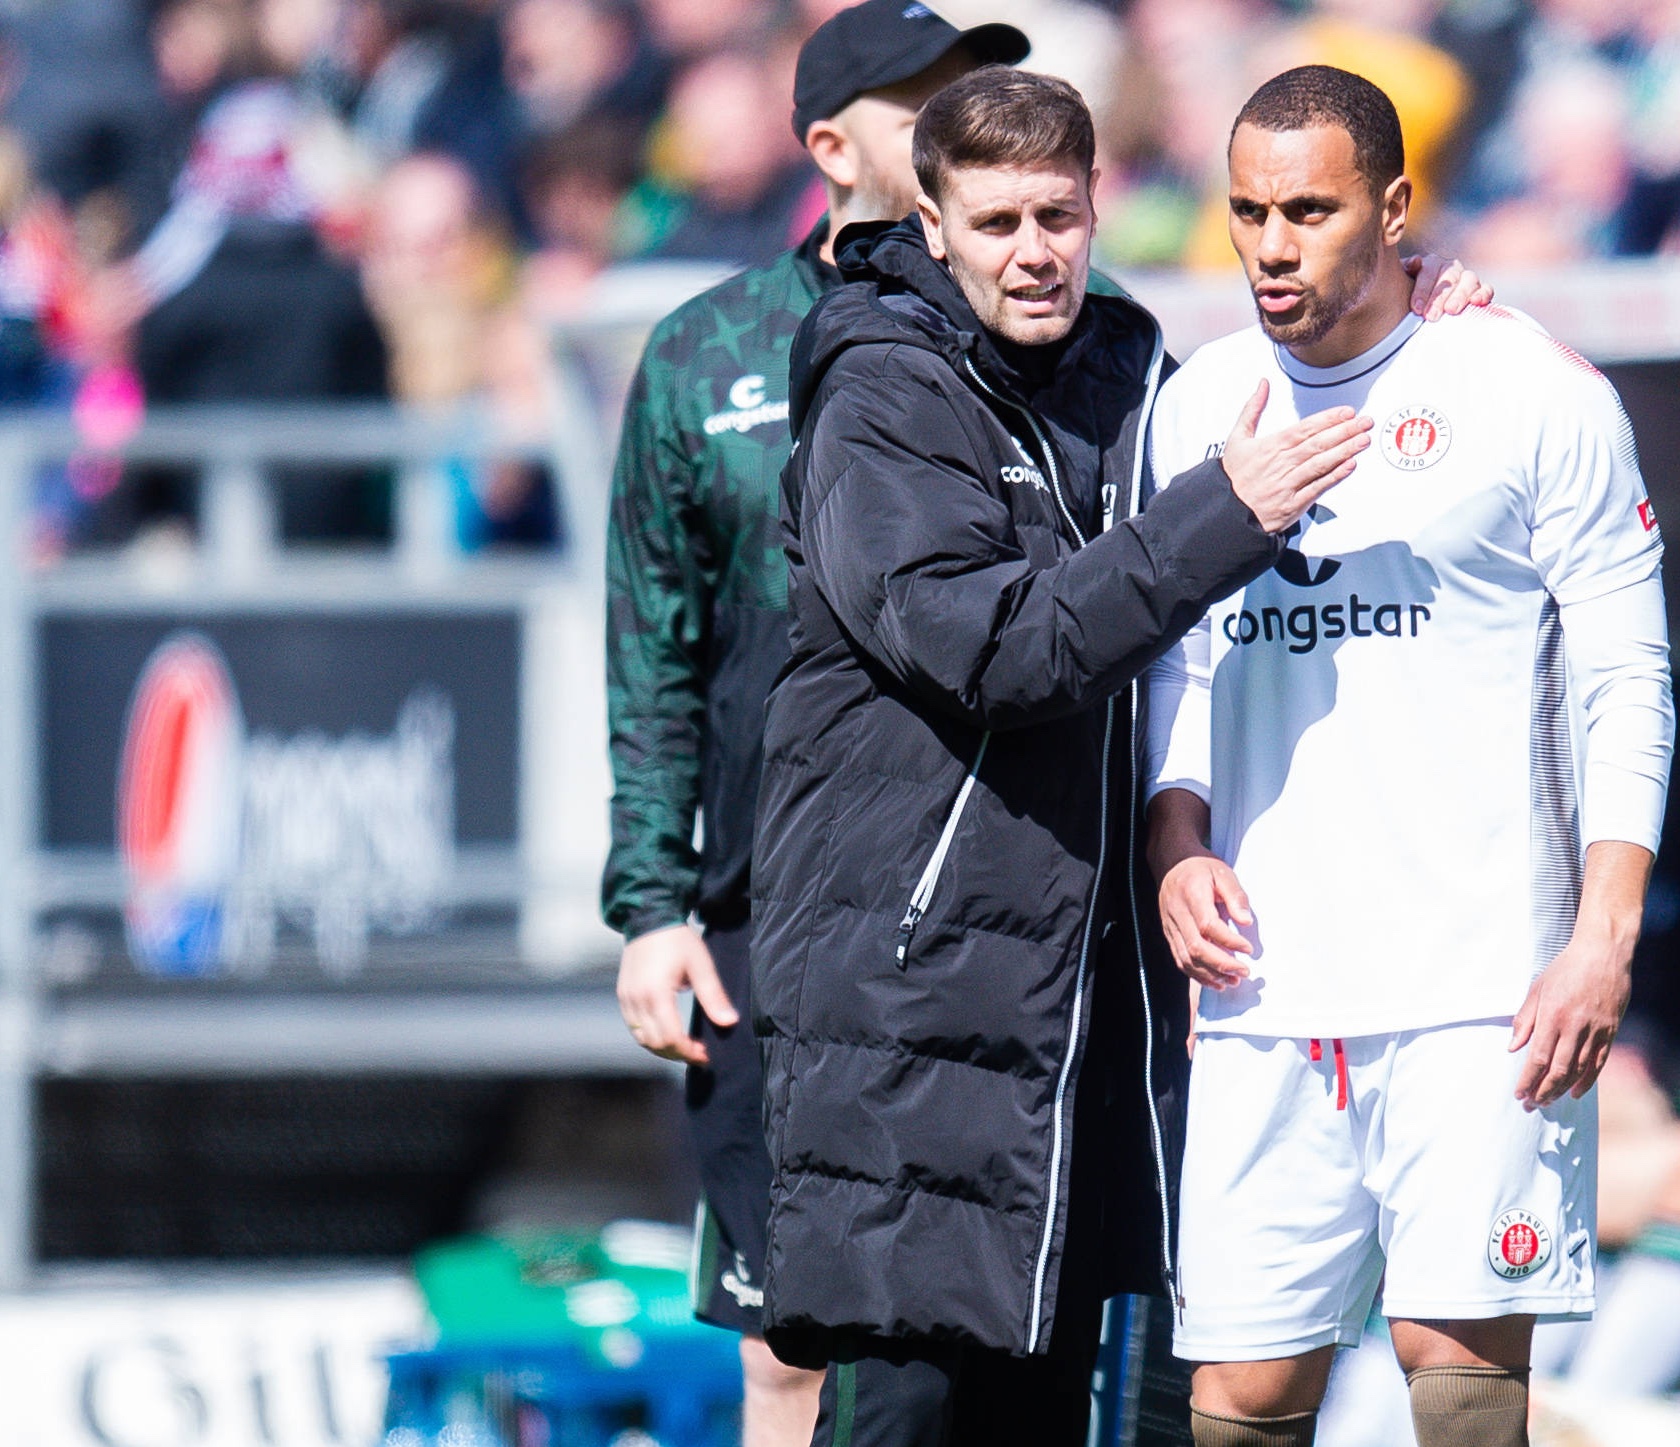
point(726, 1125)
point(881, 1393)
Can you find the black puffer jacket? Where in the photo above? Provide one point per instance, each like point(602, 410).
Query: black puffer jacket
point(946, 971)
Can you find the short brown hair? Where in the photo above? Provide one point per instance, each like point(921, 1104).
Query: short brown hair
point(998, 116)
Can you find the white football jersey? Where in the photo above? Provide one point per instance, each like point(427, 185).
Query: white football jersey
point(1397, 767)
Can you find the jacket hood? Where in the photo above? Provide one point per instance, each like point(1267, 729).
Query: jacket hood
point(895, 291)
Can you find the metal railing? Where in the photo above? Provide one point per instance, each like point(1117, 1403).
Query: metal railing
point(547, 876)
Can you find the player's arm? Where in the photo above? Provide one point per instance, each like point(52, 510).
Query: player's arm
point(657, 602)
point(1201, 901)
point(1574, 1009)
point(1596, 545)
point(1617, 647)
point(1199, 894)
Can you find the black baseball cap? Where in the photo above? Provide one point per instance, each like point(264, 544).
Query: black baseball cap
point(880, 43)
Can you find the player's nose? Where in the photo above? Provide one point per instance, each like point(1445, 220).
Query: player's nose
point(1277, 246)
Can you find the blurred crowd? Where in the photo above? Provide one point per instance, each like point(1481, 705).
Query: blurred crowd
point(238, 200)
point(225, 200)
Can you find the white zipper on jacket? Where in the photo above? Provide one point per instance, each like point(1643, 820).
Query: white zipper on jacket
point(923, 893)
point(1136, 500)
point(1036, 1322)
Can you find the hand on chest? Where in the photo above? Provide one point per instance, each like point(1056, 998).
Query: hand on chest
point(1430, 495)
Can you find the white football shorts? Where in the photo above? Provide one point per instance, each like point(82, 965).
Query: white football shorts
point(1317, 1171)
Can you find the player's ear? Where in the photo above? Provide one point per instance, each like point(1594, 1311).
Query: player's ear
point(832, 151)
point(933, 226)
point(1396, 207)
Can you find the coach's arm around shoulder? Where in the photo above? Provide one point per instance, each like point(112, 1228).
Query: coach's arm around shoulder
point(921, 561)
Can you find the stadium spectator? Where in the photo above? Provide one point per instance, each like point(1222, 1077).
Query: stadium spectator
point(243, 303)
point(562, 55)
point(394, 56)
point(575, 185)
point(1649, 219)
point(85, 100)
point(809, 14)
point(1198, 55)
point(685, 30)
point(537, 64)
point(1569, 169)
point(486, 80)
point(36, 283)
point(196, 45)
point(1074, 39)
point(296, 36)
point(442, 279)
point(745, 182)
point(53, 351)
point(434, 271)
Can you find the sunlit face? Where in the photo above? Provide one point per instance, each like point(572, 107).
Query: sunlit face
point(1309, 229)
point(1018, 242)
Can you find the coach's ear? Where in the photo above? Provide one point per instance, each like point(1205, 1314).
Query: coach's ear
point(933, 226)
point(1396, 207)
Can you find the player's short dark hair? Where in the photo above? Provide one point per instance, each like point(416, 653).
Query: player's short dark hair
point(998, 116)
point(1321, 95)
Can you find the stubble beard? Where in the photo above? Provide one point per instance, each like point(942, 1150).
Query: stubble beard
point(876, 197)
point(1322, 311)
point(991, 308)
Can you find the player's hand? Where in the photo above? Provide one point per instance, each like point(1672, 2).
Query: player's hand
point(1281, 475)
point(1444, 288)
point(651, 972)
point(1200, 897)
point(1570, 1018)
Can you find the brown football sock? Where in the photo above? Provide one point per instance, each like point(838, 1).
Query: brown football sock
point(1470, 1406)
point(1212, 1430)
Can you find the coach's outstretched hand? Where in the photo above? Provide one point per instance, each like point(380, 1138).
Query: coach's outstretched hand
point(653, 968)
point(1573, 1010)
point(1281, 475)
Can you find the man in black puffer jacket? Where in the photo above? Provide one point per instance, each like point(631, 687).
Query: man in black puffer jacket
point(968, 1026)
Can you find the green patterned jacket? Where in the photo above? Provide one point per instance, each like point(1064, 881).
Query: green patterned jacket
point(697, 593)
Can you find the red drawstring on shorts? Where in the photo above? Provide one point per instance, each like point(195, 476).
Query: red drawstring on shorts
point(1315, 1048)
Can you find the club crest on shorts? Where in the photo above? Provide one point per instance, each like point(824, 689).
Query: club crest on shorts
point(1415, 438)
point(1519, 1244)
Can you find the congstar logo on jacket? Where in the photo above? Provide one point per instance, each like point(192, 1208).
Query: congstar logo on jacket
point(1026, 472)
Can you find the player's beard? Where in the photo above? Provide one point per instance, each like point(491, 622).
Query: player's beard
point(1321, 310)
point(876, 197)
